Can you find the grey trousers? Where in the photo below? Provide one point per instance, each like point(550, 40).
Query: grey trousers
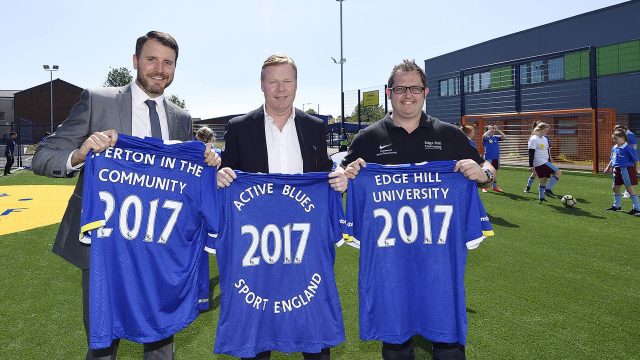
point(159, 350)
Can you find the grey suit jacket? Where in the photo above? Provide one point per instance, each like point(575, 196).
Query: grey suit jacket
point(98, 110)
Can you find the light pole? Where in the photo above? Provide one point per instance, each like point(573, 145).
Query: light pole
point(305, 104)
point(341, 62)
point(51, 70)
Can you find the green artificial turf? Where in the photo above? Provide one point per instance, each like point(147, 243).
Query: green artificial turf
point(553, 283)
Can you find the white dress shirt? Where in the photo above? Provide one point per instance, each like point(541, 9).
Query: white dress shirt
point(283, 147)
point(140, 121)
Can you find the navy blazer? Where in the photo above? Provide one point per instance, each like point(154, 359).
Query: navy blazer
point(246, 145)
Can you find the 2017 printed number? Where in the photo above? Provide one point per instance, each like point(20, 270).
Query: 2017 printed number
point(410, 235)
point(133, 203)
point(280, 239)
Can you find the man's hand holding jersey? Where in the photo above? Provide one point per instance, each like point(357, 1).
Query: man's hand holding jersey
point(469, 168)
point(99, 141)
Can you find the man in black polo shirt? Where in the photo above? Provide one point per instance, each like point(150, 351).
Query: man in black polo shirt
point(408, 135)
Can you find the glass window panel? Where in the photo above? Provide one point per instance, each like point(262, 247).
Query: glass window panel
point(476, 82)
point(443, 88)
point(537, 71)
point(485, 80)
point(556, 69)
point(524, 76)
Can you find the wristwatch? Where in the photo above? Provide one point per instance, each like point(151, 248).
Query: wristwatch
point(489, 178)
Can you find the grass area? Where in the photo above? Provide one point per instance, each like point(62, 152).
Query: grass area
point(554, 283)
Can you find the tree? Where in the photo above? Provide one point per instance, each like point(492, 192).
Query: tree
point(310, 111)
point(118, 77)
point(368, 113)
point(176, 100)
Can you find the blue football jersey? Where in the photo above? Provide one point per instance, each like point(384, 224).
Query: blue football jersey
point(623, 156)
point(414, 224)
point(491, 147)
point(147, 208)
point(275, 254)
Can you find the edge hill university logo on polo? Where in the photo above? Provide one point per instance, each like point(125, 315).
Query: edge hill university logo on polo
point(432, 145)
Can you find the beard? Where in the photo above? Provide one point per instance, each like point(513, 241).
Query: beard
point(150, 87)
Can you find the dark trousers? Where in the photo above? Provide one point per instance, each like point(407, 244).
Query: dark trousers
point(7, 167)
point(159, 350)
point(440, 351)
point(325, 354)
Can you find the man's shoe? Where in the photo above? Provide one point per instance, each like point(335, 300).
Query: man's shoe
point(634, 212)
point(614, 208)
point(526, 190)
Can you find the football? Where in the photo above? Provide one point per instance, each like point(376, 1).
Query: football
point(569, 201)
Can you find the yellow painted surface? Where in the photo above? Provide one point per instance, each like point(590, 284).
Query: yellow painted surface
point(25, 207)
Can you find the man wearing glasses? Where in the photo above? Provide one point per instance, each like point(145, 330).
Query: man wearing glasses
point(408, 135)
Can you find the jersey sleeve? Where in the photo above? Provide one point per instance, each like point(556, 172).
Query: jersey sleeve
point(350, 216)
point(338, 225)
point(93, 208)
point(478, 224)
point(210, 208)
point(531, 144)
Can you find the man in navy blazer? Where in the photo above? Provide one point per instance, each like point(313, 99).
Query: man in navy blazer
point(276, 137)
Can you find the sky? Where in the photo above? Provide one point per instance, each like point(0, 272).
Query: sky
point(223, 43)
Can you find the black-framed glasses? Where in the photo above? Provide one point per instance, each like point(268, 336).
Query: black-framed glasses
point(403, 89)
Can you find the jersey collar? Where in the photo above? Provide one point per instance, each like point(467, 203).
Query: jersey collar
point(425, 121)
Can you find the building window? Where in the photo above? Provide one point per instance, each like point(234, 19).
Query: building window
point(1, 115)
point(538, 71)
point(477, 82)
point(449, 87)
point(443, 87)
point(555, 68)
point(485, 80)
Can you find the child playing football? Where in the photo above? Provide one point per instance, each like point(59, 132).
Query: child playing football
point(623, 162)
point(540, 161)
point(490, 141)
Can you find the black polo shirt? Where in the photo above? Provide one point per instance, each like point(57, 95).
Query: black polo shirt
point(385, 143)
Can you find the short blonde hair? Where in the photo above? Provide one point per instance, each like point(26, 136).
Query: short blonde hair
point(204, 134)
point(278, 59)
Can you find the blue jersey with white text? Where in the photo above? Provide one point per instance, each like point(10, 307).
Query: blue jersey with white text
point(491, 147)
point(414, 224)
point(146, 210)
point(623, 156)
point(275, 254)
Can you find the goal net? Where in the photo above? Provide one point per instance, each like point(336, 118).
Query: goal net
point(580, 138)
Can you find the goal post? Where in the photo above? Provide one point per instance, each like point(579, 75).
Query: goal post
point(580, 139)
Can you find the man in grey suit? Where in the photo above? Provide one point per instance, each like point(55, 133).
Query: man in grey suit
point(138, 109)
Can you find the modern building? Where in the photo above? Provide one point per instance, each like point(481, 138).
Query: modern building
point(588, 61)
point(552, 62)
